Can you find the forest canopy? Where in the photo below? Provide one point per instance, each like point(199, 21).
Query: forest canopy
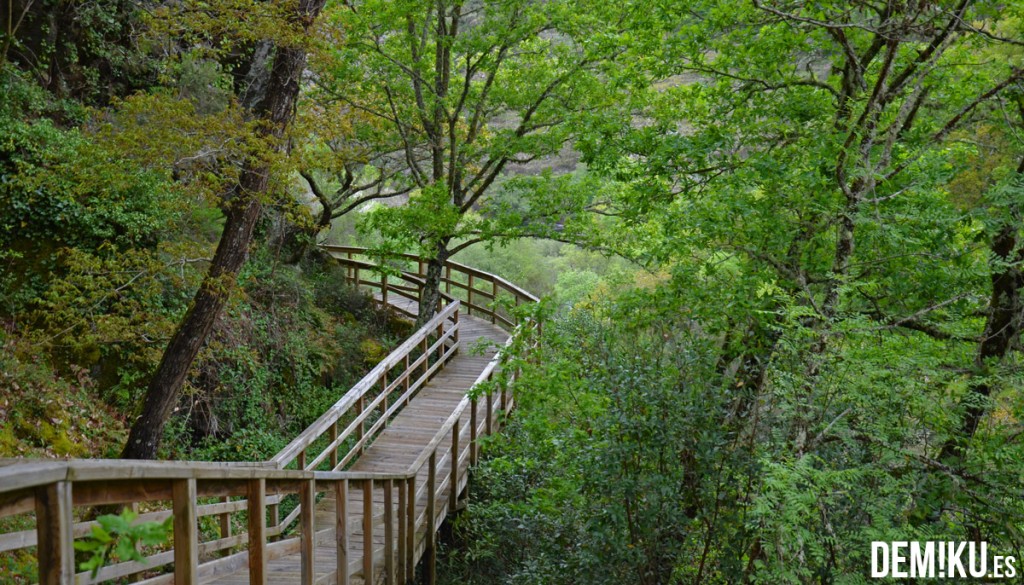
point(780, 245)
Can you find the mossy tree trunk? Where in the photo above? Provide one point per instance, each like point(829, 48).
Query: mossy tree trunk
point(243, 210)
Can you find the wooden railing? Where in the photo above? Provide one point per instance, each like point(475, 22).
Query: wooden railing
point(59, 493)
point(482, 293)
point(426, 492)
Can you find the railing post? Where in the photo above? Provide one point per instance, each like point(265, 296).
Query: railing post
point(504, 396)
point(54, 519)
point(453, 491)
point(494, 301)
point(384, 391)
point(368, 531)
point(360, 405)
point(455, 326)
point(225, 525)
point(307, 544)
point(408, 374)
point(389, 532)
point(257, 499)
point(410, 532)
point(490, 410)
point(440, 334)
point(334, 450)
point(341, 530)
point(448, 279)
point(300, 460)
point(401, 530)
point(384, 288)
point(472, 431)
point(186, 534)
point(426, 355)
point(430, 567)
point(274, 512)
point(469, 295)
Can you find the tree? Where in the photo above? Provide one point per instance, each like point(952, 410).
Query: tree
point(463, 91)
point(795, 164)
point(275, 110)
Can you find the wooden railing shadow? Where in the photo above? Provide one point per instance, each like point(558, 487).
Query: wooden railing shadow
point(48, 494)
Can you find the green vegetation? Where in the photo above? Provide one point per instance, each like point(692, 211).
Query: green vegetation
point(116, 538)
point(781, 243)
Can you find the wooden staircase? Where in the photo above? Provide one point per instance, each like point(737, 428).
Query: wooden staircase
point(379, 471)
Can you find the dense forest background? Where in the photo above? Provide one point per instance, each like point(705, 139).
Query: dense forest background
point(780, 244)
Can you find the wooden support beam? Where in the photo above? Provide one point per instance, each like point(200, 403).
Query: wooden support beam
point(360, 405)
point(307, 542)
point(504, 397)
point(368, 531)
point(54, 520)
point(258, 532)
point(473, 424)
point(405, 383)
point(430, 566)
point(455, 329)
point(490, 410)
point(453, 489)
point(389, 532)
point(401, 531)
point(186, 533)
point(494, 297)
point(333, 434)
point(410, 532)
point(341, 530)
point(384, 391)
point(224, 519)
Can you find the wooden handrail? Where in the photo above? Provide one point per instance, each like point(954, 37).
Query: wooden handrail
point(52, 489)
point(494, 285)
point(371, 382)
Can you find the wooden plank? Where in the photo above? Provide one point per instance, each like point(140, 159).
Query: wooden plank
point(333, 435)
point(401, 531)
point(430, 569)
point(54, 519)
point(121, 491)
point(474, 446)
point(453, 493)
point(410, 531)
point(224, 519)
point(307, 503)
point(389, 536)
point(258, 532)
point(186, 533)
point(20, 501)
point(368, 532)
point(342, 531)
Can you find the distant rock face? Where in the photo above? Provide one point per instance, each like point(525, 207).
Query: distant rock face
point(565, 162)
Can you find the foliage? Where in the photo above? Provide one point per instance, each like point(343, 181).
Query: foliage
point(835, 206)
point(44, 413)
point(814, 343)
point(116, 538)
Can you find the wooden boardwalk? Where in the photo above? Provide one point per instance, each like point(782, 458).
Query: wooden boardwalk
point(375, 476)
point(393, 452)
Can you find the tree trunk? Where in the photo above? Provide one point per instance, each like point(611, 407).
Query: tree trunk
point(430, 296)
point(1001, 327)
point(277, 108)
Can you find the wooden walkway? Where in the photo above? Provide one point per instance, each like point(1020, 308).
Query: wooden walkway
point(393, 452)
point(375, 476)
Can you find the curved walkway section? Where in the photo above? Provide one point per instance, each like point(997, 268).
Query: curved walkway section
point(356, 498)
